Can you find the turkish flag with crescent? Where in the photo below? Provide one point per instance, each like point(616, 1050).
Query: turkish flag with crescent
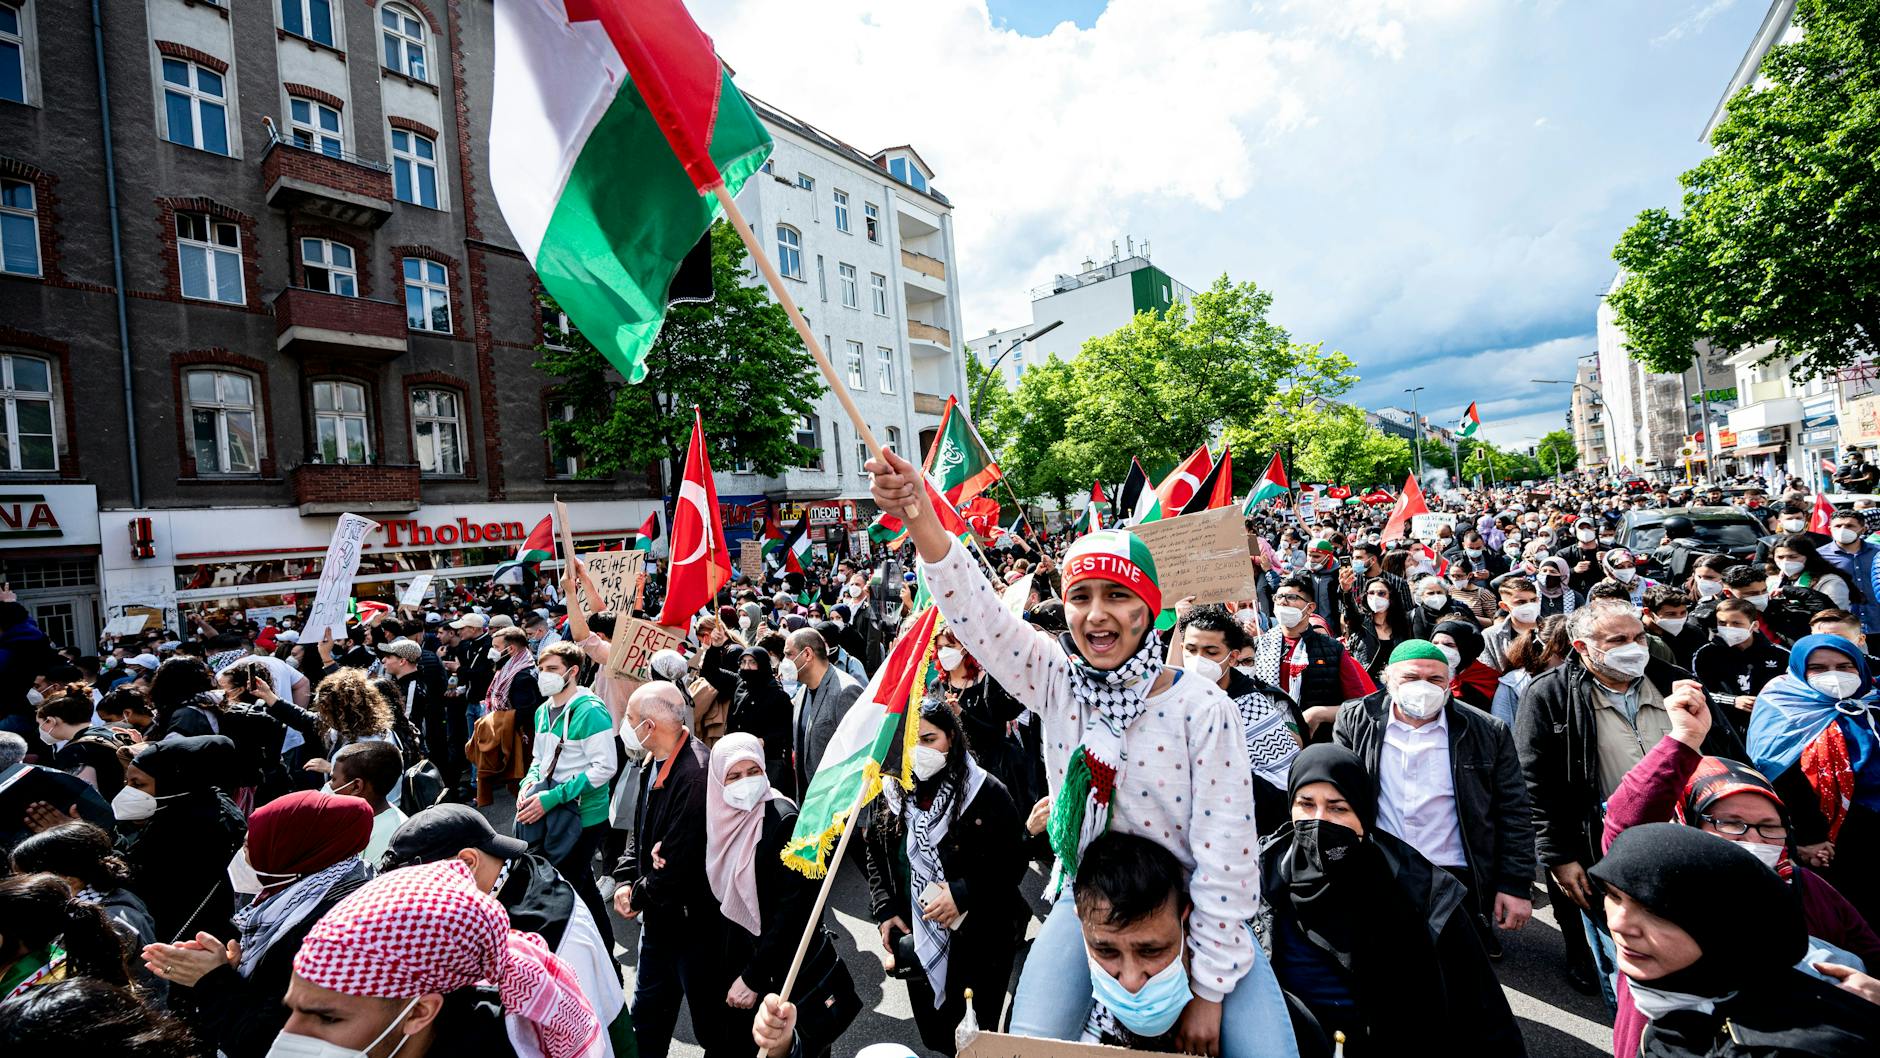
point(1409, 503)
point(700, 560)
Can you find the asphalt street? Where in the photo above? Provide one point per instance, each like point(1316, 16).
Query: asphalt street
point(1556, 1021)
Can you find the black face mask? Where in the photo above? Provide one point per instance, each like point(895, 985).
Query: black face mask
point(1322, 850)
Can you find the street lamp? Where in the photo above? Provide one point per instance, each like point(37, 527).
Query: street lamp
point(1416, 429)
point(993, 368)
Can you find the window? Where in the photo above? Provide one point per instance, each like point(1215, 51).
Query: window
point(822, 279)
point(19, 228)
point(871, 220)
point(861, 455)
point(556, 328)
point(427, 295)
point(885, 357)
point(878, 291)
point(806, 181)
point(835, 445)
point(209, 252)
point(13, 52)
point(769, 166)
point(403, 34)
point(562, 462)
point(339, 422)
point(437, 430)
point(314, 126)
point(809, 434)
point(894, 438)
point(851, 297)
point(223, 433)
point(858, 367)
point(1018, 362)
point(195, 106)
point(26, 384)
point(908, 173)
point(328, 266)
point(414, 169)
point(789, 251)
point(842, 211)
point(312, 19)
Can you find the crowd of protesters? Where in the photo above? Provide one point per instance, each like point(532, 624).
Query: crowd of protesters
point(1273, 826)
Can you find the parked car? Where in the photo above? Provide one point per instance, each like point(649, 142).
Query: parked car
point(1718, 530)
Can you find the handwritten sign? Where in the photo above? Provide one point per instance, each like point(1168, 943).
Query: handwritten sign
point(129, 624)
point(1000, 1045)
point(1424, 526)
point(336, 574)
point(414, 595)
point(751, 560)
point(1204, 555)
point(614, 574)
point(630, 656)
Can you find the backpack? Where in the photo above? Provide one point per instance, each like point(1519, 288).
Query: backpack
point(257, 735)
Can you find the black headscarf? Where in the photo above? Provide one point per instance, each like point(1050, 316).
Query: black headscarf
point(1702, 884)
point(1330, 864)
point(1467, 637)
point(186, 765)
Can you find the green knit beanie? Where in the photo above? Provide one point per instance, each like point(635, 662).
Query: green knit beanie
point(1417, 649)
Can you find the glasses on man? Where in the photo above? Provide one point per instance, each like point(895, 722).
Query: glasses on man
point(1291, 599)
point(1736, 828)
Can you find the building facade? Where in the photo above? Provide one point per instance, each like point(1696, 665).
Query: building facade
point(1092, 303)
point(282, 289)
point(1586, 415)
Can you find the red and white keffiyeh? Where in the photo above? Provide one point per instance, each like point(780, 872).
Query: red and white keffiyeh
point(425, 929)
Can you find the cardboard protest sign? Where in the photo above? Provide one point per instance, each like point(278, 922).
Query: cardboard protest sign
point(1017, 594)
point(630, 656)
point(615, 574)
point(1000, 1045)
point(129, 624)
point(330, 602)
point(751, 560)
point(1424, 526)
point(414, 595)
point(1204, 555)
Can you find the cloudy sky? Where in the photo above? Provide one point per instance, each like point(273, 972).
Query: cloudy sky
point(1432, 186)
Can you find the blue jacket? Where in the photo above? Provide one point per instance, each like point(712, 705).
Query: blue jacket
point(1858, 568)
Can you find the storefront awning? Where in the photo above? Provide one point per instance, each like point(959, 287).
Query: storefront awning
point(1759, 450)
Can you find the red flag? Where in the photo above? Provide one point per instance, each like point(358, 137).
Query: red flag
point(1823, 514)
point(649, 529)
point(1377, 496)
point(701, 563)
point(673, 66)
point(1338, 492)
point(1179, 487)
point(949, 515)
point(1223, 481)
point(1409, 502)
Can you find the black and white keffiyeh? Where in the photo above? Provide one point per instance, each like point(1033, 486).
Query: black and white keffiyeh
point(264, 921)
point(926, 827)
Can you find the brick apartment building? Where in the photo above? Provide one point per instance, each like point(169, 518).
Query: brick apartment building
point(286, 291)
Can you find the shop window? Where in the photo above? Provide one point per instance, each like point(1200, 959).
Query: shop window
point(225, 426)
point(26, 387)
point(340, 433)
point(437, 431)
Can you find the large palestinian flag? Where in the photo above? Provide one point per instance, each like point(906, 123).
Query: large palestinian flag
point(1471, 421)
point(539, 547)
point(608, 119)
point(959, 459)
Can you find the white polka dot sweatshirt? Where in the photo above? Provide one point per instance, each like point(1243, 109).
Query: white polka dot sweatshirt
point(1185, 782)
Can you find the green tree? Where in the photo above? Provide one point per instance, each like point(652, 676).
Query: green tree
point(1041, 457)
point(1557, 445)
point(1778, 239)
point(736, 357)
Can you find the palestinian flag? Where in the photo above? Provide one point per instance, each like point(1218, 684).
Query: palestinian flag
point(1095, 512)
point(610, 119)
point(948, 514)
point(1136, 502)
point(851, 771)
point(880, 532)
point(532, 552)
point(1271, 486)
point(1219, 483)
point(959, 459)
point(1409, 503)
point(1471, 421)
point(793, 549)
point(649, 532)
point(1179, 487)
point(772, 547)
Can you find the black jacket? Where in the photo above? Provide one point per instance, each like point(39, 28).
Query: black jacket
point(1726, 671)
point(671, 816)
point(1554, 734)
point(1790, 1016)
point(784, 900)
point(1496, 821)
point(24, 784)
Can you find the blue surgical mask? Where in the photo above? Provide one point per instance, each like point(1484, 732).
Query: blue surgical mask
point(1154, 1009)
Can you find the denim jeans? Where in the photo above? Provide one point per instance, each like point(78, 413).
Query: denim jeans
point(1053, 997)
point(1605, 959)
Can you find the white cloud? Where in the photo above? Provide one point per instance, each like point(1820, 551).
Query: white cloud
point(1694, 23)
point(1515, 410)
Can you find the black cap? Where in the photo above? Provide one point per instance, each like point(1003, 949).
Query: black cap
point(442, 831)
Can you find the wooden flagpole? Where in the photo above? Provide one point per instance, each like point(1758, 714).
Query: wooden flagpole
point(803, 331)
point(822, 898)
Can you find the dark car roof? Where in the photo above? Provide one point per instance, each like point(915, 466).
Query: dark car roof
point(1695, 514)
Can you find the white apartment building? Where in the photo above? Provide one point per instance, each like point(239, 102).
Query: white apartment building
point(866, 243)
point(1096, 301)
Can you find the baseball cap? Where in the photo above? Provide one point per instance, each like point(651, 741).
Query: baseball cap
point(148, 661)
point(403, 648)
point(433, 618)
point(288, 636)
point(471, 620)
point(440, 832)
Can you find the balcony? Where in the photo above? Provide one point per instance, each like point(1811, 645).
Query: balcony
point(924, 278)
point(315, 323)
point(915, 219)
point(343, 188)
point(368, 488)
point(925, 265)
point(929, 404)
point(924, 339)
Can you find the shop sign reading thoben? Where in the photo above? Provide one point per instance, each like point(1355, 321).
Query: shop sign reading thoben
point(409, 532)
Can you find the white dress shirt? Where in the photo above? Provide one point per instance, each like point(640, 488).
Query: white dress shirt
point(1418, 802)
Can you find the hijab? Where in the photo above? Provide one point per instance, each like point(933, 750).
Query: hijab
point(1835, 740)
point(1717, 778)
point(189, 764)
point(731, 834)
point(1702, 884)
point(307, 831)
point(1468, 640)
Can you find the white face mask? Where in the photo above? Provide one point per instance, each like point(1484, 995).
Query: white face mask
point(786, 672)
point(1206, 669)
point(928, 762)
point(1794, 525)
point(1760, 602)
point(244, 879)
point(950, 657)
point(745, 794)
point(855, 591)
point(1625, 576)
point(1454, 656)
point(1288, 616)
point(1836, 685)
point(1790, 566)
point(1845, 536)
point(1671, 626)
point(1733, 637)
point(1709, 589)
point(1628, 661)
point(1435, 601)
point(1771, 855)
point(33, 697)
point(132, 804)
point(1420, 699)
point(1585, 534)
point(630, 737)
point(496, 653)
point(550, 683)
point(1527, 613)
point(1377, 603)
point(294, 1045)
